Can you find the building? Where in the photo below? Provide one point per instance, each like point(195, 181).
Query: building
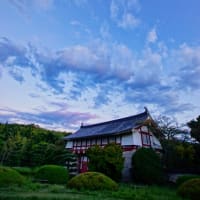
point(130, 133)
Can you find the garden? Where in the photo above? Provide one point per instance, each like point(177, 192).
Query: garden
point(91, 185)
point(33, 167)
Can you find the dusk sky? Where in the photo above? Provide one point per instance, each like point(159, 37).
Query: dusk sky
point(63, 62)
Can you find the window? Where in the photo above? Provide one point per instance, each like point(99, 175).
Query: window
point(83, 143)
point(79, 143)
point(104, 140)
point(93, 141)
point(99, 141)
point(146, 139)
point(112, 139)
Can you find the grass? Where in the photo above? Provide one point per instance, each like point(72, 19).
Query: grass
point(36, 191)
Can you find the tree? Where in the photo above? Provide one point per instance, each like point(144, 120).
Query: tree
point(107, 160)
point(170, 127)
point(147, 167)
point(195, 128)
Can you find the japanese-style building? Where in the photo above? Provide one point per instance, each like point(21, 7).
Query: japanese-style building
point(130, 133)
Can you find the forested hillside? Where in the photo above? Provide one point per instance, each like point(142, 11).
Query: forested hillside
point(30, 145)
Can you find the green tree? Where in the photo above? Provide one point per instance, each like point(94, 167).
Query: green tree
point(195, 128)
point(108, 160)
point(147, 166)
point(30, 145)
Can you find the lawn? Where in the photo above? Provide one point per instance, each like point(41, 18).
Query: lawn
point(35, 191)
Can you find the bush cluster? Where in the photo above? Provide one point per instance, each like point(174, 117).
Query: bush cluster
point(108, 160)
point(147, 167)
point(9, 176)
point(185, 178)
point(53, 174)
point(190, 189)
point(25, 171)
point(92, 181)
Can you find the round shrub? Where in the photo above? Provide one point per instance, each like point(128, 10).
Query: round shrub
point(25, 171)
point(53, 174)
point(9, 176)
point(185, 178)
point(92, 181)
point(190, 189)
point(147, 167)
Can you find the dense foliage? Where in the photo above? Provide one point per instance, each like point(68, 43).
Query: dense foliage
point(179, 156)
point(9, 177)
point(185, 178)
point(190, 189)
point(195, 128)
point(179, 153)
point(53, 174)
point(30, 145)
point(92, 181)
point(147, 167)
point(108, 160)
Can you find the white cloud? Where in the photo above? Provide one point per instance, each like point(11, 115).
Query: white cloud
point(44, 4)
point(104, 31)
point(152, 36)
point(128, 21)
point(121, 13)
point(114, 9)
point(75, 23)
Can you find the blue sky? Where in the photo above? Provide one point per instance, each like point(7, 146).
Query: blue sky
point(63, 62)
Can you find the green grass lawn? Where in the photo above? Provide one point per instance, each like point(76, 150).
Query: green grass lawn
point(35, 191)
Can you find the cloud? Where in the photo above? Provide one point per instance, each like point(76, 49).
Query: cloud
point(121, 13)
point(186, 71)
point(100, 60)
point(75, 23)
point(23, 6)
point(104, 31)
point(17, 74)
point(88, 76)
point(152, 36)
point(61, 118)
point(128, 21)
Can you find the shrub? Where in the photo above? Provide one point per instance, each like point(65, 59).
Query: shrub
point(147, 168)
point(185, 178)
point(92, 181)
point(190, 189)
point(9, 176)
point(25, 171)
point(108, 160)
point(54, 174)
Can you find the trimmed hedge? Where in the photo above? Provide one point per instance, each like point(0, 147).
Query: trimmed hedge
point(53, 174)
point(185, 178)
point(9, 176)
point(92, 181)
point(25, 171)
point(147, 167)
point(190, 189)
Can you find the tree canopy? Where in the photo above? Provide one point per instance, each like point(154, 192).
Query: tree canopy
point(30, 145)
point(195, 128)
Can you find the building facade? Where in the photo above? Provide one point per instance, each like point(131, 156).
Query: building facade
point(130, 133)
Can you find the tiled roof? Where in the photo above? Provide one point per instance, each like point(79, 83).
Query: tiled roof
point(110, 128)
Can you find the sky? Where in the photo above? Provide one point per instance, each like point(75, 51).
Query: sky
point(67, 62)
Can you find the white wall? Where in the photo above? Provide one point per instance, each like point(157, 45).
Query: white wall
point(155, 142)
point(127, 139)
point(137, 138)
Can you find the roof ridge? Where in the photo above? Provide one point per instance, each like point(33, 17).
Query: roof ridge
point(115, 120)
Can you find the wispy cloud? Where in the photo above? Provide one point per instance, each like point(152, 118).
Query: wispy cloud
point(121, 13)
point(88, 76)
point(61, 118)
point(152, 36)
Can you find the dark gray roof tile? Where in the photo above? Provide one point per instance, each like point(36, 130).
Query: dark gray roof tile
point(111, 127)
